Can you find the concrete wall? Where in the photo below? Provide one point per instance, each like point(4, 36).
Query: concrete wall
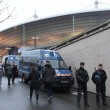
point(92, 50)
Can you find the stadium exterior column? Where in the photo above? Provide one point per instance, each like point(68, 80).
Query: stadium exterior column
point(35, 41)
point(73, 24)
point(24, 35)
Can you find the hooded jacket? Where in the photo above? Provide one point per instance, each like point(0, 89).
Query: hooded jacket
point(34, 78)
point(48, 73)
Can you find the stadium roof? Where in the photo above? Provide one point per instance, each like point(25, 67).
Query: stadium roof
point(32, 19)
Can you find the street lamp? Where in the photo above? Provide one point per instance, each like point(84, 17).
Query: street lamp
point(35, 41)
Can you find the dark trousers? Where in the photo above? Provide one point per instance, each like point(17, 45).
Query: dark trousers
point(13, 78)
point(82, 87)
point(101, 89)
point(9, 78)
point(48, 87)
point(36, 91)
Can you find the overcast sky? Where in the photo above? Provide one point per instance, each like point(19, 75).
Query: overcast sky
point(46, 8)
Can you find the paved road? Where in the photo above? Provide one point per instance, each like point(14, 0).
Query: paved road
point(15, 98)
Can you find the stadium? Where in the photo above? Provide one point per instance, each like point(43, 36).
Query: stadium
point(47, 32)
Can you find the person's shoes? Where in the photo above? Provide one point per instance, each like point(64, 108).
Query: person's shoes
point(9, 86)
point(86, 104)
point(50, 99)
point(105, 104)
point(36, 101)
point(78, 105)
point(29, 98)
point(98, 104)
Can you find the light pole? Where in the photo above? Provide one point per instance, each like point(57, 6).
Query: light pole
point(35, 41)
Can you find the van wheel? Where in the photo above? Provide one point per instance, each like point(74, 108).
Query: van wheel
point(23, 78)
point(42, 88)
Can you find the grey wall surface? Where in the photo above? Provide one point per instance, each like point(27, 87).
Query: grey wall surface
point(92, 50)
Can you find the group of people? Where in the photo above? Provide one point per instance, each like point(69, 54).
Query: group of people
point(99, 78)
point(11, 72)
point(34, 78)
point(47, 79)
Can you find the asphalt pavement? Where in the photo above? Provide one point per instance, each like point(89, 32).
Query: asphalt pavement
point(16, 98)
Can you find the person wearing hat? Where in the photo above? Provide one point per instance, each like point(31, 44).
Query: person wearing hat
point(82, 79)
point(99, 78)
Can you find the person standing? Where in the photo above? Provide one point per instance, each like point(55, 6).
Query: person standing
point(14, 72)
point(82, 79)
point(34, 77)
point(99, 78)
point(48, 77)
point(9, 74)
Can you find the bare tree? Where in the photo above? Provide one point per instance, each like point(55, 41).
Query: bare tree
point(6, 9)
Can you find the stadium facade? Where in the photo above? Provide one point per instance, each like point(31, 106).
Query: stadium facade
point(50, 31)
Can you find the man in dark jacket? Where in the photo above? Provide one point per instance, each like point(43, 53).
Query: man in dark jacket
point(14, 72)
point(48, 77)
point(99, 78)
point(9, 74)
point(82, 79)
point(34, 78)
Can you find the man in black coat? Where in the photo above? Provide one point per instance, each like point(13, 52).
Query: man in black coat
point(48, 77)
point(99, 78)
point(14, 72)
point(82, 79)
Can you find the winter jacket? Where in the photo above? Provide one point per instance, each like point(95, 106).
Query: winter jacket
point(9, 71)
point(14, 69)
point(34, 78)
point(48, 74)
point(81, 75)
point(99, 77)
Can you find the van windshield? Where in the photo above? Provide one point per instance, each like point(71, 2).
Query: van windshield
point(57, 64)
point(13, 58)
point(51, 55)
point(54, 58)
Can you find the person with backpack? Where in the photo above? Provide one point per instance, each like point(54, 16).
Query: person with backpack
point(48, 77)
point(99, 78)
point(34, 78)
point(9, 74)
